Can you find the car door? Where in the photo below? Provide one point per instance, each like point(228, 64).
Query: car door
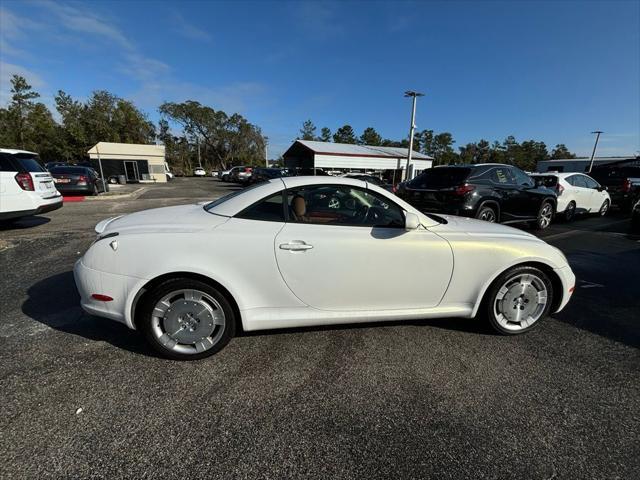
point(583, 194)
point(345, 248)
point(505, 187)
point(528, 199)
point(597, 196)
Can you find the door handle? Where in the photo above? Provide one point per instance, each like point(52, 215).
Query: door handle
point(296, 246)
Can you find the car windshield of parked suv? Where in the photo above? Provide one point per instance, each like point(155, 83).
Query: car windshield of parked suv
point(440, 177)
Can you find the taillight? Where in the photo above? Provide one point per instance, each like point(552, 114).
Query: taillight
point(394, 188)
point(25, 181)
point(248, 169)
point(559, 189)
point(626, 185)
point(464, 189)
point(82, 179)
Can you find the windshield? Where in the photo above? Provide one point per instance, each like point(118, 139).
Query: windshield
point(440, 177)
point(229, 196)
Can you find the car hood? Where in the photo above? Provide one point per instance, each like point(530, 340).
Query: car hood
point(182, 218)
point(479, 228)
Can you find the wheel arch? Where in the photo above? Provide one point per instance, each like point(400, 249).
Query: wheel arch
point(147, 287)
point(493, 202)
point(556, 284)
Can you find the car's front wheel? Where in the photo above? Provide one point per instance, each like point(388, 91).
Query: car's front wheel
point(518, 300)
point(186, 319)
point(604, 208)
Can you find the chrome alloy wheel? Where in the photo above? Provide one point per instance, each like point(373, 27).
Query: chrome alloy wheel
point(520, 302)
point(188, 321)
point(546, 214)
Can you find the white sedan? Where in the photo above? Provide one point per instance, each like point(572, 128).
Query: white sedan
point(302, 251)
point(199, 172)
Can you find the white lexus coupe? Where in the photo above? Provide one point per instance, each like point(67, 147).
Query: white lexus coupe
point(304, 251)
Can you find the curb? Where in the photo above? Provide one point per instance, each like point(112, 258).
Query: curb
point(116, 196)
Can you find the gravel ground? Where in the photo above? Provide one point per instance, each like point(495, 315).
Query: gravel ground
point(85, 397)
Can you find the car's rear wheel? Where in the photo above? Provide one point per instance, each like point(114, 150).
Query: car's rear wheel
point(487, 213)
point(570, 211)
point(95, 190)
point(604, 209)
point(545, 215)
point(518, 300)
point(186, 319)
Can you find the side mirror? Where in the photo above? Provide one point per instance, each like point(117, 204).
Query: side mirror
point(411, 221)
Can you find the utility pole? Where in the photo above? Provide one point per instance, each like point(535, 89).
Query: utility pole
point(104, 185)
point(593, 154)
point(266, 155)
point(412, 128)
point(198, 142)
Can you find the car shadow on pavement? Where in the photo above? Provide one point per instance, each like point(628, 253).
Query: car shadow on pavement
point(55, 302)
point(23, 222)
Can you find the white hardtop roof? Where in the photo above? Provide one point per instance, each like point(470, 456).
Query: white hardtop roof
point(251, 195)
point(330, 148)
point(13, 151)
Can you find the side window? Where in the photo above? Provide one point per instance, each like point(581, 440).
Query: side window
point(267, 210)
point(6, 165)
point(579, 181)
point(522, 178)
point(590, 182)
point(342, 205)
point(570, 179)
point(501, 176)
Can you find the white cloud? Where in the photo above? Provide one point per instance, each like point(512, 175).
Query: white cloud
point(188, 29)
point(82, 21)
point(317, 19)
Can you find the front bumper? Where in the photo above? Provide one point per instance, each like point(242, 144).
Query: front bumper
point(118, 287)
point(568, 280)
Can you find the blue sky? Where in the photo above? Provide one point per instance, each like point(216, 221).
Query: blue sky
point(551, 71)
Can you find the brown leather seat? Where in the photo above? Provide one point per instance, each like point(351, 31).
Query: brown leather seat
point(299, 207)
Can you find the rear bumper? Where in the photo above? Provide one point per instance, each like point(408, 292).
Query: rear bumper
point(51, 204)
point(33, 204)
point(568, 280)
point(90, 281)
point(62, 188)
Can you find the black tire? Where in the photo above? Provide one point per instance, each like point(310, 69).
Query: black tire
point(604, 209)
point(225, 178)
point(489, 304)
point(95, 191)
point(570, 211)
point(145, 320)
point(545, 216)
point(487, 213)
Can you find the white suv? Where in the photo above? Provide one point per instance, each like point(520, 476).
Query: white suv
point(577, 193)
point(26, 188)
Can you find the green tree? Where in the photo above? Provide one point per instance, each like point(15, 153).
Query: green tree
point(22, 96)
point(425, 142)
point(370, 137)
point(560, 152)
point(442, 149)
point(226, 140)
point(345, 134)
point(325, 135)
point(308, 131)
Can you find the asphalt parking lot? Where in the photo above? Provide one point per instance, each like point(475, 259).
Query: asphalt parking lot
point(85, 397)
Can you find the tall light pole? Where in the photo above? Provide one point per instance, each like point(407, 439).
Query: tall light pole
point(593, 154)
point(412, 128)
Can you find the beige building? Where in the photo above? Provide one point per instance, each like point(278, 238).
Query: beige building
point(138, 163)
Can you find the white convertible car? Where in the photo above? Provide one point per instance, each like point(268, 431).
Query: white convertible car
point(303, 251)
